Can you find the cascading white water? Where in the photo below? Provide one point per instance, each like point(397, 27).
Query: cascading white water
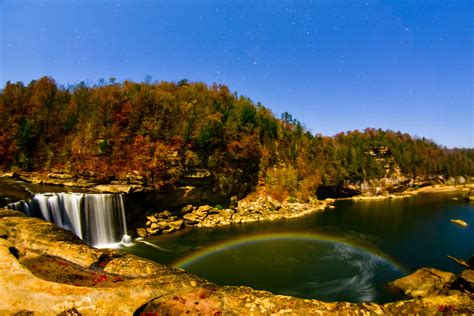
point(72, 216)
point(98, 219)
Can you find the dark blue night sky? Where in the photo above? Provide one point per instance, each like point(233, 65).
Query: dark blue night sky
point(335, 65)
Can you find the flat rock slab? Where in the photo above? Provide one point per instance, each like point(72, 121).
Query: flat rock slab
point(47, 270)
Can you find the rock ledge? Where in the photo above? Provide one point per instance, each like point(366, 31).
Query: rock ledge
point(47, 270)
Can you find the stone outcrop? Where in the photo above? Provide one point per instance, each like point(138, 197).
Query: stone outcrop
point(245, 211)
point(47, 270)
point(425, 282)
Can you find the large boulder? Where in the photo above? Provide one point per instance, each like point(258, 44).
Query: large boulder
point(178, 224)
point(424, 282)
point(190, 218)
point(187, 209)
point(226, 213)
point(152, 219)
point(141, 232)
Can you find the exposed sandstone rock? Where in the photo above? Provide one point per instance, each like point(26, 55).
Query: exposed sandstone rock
point(142, 232)
point(190, 218)
point(424, 282)
point(459, 222)
point(113, 188)
point(162, 224)
point(177, 224)
point(226, 214)
point(54, 272)
point(151, 231)
point(152, 219)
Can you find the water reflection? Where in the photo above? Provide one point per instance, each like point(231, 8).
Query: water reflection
point(414, 232)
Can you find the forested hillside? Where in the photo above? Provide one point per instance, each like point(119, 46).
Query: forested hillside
point(161, 131)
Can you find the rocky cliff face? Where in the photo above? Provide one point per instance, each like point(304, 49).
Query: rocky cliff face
point(47, 270)
point(197, 187)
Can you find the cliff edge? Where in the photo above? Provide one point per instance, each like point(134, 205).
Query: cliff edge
point(47, 270)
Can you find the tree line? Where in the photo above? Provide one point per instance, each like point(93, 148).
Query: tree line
point(161, 131)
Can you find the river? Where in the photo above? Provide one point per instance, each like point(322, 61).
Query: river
point(349, 253)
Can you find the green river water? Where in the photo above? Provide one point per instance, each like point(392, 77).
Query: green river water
point(349, 253)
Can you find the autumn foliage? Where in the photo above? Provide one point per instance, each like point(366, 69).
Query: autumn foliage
point(161, 131)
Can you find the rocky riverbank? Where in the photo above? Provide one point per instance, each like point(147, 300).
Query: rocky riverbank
point(466, 190)
point(46, 270)
point(243, 211)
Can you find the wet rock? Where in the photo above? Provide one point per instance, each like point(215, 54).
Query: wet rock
point(142, 232)
point(424, 282)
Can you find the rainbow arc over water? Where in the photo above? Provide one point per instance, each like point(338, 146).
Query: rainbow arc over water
point(259, 238)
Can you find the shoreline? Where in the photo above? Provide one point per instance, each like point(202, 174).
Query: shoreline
point(247, 210)
point(468, 188)
point(206, 216)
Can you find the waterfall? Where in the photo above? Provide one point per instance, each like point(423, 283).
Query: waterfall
point(98, 219)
